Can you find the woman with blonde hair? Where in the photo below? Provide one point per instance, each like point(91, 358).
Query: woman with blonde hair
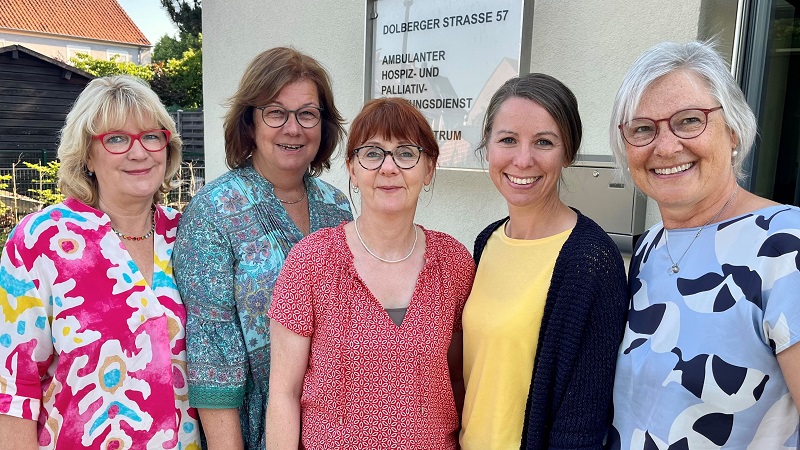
point(92, 337)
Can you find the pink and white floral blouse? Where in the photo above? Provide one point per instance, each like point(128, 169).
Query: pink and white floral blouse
point(87, 347)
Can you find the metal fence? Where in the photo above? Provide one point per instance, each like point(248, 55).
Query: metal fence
point(192, 177)
point(21, 183)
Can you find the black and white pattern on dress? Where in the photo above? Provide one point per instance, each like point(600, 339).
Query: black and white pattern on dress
point(697, 367)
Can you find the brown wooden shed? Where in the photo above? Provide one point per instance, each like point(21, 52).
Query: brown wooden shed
point(36, 93)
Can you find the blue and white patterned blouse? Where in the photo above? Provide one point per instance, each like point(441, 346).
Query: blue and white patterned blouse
point(697, 367)
point(227, 258)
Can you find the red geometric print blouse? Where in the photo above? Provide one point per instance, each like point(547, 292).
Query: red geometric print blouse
point(369, 383)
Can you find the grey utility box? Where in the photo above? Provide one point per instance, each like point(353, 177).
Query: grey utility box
point(590, 186)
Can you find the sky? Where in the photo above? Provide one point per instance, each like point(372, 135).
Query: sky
point(150, 17)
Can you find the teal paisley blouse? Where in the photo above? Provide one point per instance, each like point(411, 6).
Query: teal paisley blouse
point(232, 241)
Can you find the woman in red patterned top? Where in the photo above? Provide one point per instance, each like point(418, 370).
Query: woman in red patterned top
point(366, 317)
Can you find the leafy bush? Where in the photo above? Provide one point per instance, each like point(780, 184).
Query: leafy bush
point(47, 175)
point(170, 48)
point(177, 81)
point(102, 68)
point(7, 218)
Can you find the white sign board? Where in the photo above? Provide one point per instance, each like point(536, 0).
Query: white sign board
point(447, 57)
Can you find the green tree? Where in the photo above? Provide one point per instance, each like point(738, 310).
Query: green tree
point(7, 218)
point(170, 48)
point(48, 174)
point(186, 15)
point(179, 81)
point(101, 68)
point(178, 63)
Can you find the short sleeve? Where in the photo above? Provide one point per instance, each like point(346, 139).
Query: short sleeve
point(204, 270)
point(780, 278)
point(26, 348)
point(293, 298)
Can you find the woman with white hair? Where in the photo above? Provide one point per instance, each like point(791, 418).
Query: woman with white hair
point(709, 357)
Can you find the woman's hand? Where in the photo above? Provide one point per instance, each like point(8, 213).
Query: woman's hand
point(288, 364)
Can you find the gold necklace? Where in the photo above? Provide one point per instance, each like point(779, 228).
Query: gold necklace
point(675, 268)
point(289, 202)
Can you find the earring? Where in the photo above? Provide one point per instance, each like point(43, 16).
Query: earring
point(426, 188)
point(355, 189)
point(91, 174)
point(735, 153)
point(628, 169)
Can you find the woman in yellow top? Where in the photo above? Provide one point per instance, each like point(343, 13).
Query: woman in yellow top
point(547, 310)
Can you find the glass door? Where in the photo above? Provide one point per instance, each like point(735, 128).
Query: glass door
point(771, 81)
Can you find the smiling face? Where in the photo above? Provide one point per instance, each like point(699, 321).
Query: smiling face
point(682, 174)
point(390, 189)
point(289, 149)
point(525, 151)
point(134, 176)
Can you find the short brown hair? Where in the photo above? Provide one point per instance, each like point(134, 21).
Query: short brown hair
point(392, 118)
point(106, 104)
point(263, 79)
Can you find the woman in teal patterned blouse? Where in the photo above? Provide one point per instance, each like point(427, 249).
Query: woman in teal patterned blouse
point(280, 132)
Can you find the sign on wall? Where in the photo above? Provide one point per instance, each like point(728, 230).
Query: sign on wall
point(447, 57)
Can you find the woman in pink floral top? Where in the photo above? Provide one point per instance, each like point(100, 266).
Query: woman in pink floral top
point(92, 343)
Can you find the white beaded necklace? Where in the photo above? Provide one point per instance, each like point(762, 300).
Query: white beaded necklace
point(416, 236)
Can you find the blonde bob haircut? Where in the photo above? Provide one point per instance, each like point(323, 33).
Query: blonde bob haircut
point(105, 105)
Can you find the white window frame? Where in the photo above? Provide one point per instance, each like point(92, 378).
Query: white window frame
point(124, 56)
point(72, 50)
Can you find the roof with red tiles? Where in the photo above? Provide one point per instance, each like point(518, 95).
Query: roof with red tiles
point(104, 20)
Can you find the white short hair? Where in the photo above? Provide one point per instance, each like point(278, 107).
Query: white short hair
point(699, 58)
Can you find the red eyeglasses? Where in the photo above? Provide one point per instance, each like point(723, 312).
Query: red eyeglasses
point(118, 142)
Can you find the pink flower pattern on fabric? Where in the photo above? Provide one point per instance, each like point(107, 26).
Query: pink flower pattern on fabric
point(87, 348)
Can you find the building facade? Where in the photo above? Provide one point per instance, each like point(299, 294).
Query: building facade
point(60, 29)
point(589, 45)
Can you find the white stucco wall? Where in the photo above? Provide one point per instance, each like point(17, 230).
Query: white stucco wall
point(57, 47)
point(589, 45)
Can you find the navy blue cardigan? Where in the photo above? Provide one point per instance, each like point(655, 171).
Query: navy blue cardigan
point(569, 400)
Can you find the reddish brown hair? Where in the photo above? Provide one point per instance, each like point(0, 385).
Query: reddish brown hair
point(392, 118)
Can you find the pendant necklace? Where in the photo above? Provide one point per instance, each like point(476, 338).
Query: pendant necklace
point(416, 235)
point(675, 268)
point(138, 238)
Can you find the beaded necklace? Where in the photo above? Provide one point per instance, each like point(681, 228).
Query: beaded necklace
point(138, 238)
